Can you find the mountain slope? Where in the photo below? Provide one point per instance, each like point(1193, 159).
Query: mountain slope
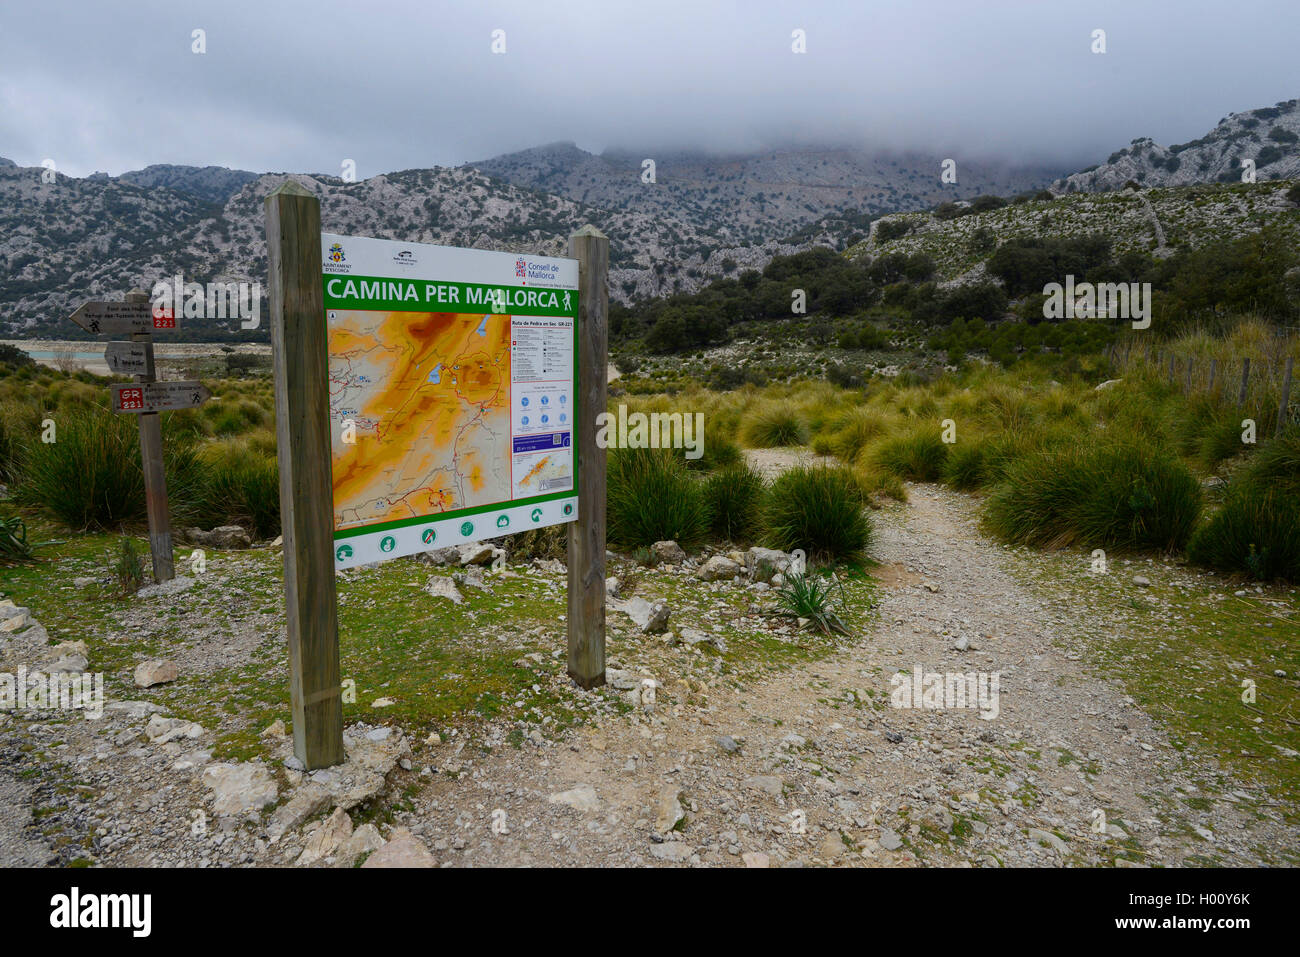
point(215, 184)
point(1187, 217)
point(756, 197)
point(1269, 136)
point(75, 239)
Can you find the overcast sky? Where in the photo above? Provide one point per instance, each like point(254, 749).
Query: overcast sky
point(395, 84)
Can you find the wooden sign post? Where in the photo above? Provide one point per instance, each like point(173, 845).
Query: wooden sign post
point(586, 545)
point(151, 458)
point(301, 283)
point(146, 397)
point(298, 341)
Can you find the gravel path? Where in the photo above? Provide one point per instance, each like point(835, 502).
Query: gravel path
point(810, 765)
point(19, 844)
point(1069, 771)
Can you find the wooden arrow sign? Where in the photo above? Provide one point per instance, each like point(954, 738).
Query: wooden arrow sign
point(118, 318)
point(127, 358)
point(157, 396)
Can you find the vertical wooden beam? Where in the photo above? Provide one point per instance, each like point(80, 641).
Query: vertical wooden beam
point(1245, 381)
point(1173, 359)
point(1187, 388)
point(586, 616)
point(151, 460)
point(1214, 365)
point(1285, 402)
point(298, 341)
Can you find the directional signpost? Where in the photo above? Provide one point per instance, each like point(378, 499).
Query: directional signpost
point(126, 358)
point(158, 396)
point(146, 397)
point(122, 318)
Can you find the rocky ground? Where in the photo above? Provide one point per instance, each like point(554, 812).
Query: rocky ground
point(685, 760)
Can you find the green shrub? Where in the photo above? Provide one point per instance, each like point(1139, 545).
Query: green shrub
point(90, 478)
point(773, 426)
point(15, 357)
point(1207, 431)
point(918, 456)
point(1277, 463)
point(240, 486)
point(812, 599)
point(873, 483)
point(735, 499)
point(966, 467)
point(14, 547)
point(128, 566)
point(1125, 495)
point(854, 432)
point(551, 542)
point(650, 497)
point(1220, 440)
point(718, 453)
point(1255, 533)
point(819, 510)
point(9, 448)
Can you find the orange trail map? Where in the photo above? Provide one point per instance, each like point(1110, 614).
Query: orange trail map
point(429, 394)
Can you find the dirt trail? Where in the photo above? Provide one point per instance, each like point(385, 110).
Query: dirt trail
point(807, 765)
point(1069, 770)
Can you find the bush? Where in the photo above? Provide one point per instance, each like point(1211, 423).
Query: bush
point(652, 497)
point(734, 496)
point(9, 448)
point(819, 510)
point(91, 477)
point(1026, 264)
point(966, 468)
point(11, 355)
point(14, 547)
point(1125, 495)
point(844, 376)
point(891, 229)
point(873, 483)
point(773, 426)
point(716, 453)
point(854, 432)
point(128, 566)
point(1276, 464)
point(1256, 533)
point(918, 456)
point(241, 486)
point(551, 542)
point(983, 204)
point(813, 600)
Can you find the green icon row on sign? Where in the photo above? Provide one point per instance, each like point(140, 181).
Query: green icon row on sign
point(388, 542)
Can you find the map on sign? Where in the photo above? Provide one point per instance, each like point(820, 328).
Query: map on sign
point(452, 386)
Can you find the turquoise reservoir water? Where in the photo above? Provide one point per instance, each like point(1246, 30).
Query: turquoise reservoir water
point(47, 354)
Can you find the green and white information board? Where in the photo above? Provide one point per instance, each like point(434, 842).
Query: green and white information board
point(453, 394)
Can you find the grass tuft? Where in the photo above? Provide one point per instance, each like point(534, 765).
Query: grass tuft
point(818, 509)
